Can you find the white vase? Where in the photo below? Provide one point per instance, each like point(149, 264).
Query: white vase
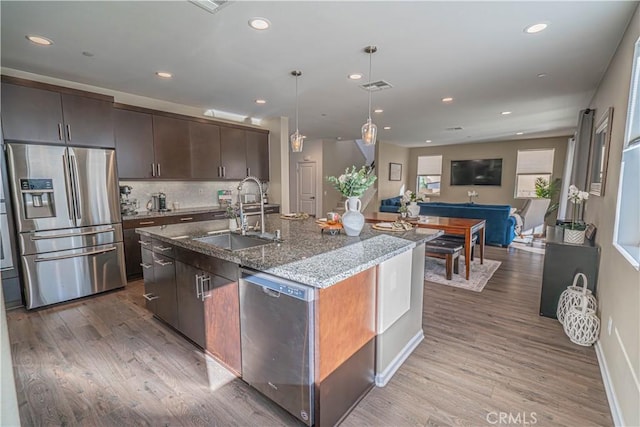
point(413, 209)
point(573, 236)
point(233, 224)
point(352, 220)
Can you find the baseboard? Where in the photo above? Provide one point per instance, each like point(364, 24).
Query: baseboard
point(385, 376)
point(616, 414)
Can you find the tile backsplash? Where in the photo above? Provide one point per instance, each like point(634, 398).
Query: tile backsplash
point(188, 194)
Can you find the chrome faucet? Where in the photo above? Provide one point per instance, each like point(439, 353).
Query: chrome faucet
point(243, 220)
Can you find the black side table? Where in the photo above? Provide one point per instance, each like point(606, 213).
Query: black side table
point(562, 261)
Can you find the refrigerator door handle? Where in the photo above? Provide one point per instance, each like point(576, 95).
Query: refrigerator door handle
point(85, 233)
point(67, 184)
point(100, 251)
point(76, 184)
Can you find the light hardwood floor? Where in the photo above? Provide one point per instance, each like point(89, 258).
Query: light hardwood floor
point(104, 361)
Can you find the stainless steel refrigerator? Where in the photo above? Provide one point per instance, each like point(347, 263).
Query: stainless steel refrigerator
point(67, 215)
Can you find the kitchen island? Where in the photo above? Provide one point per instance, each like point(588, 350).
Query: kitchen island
point(312, 321)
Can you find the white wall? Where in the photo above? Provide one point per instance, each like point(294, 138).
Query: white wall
point(618, 282)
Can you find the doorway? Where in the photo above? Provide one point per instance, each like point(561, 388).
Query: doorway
point(307, 187)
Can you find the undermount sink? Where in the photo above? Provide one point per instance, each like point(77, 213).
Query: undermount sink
point(232, 242)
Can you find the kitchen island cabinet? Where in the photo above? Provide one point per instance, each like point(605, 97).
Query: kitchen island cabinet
point(341, 275)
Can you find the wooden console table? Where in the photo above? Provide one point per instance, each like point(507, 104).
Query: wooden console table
point(460, 226)
point(562, 261)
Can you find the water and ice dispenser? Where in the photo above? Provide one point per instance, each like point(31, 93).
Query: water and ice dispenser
point(37, 198)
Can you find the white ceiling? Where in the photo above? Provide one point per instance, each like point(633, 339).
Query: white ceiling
point(475, 52)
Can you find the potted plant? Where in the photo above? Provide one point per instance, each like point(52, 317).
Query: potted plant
point(352, 184)
point(412, 199)
point(548, 190)
point(574, 233)
point(232, 214)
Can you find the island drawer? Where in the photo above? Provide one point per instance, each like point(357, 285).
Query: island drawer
point(210, 264)
point(162, 248)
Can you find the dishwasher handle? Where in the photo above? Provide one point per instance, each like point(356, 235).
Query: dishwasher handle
point(271, 292)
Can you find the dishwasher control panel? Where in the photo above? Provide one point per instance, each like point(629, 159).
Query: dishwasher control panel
point(279, 285)
point(294, 292)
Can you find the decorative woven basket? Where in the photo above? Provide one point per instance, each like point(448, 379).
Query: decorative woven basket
point(573, 236)
point(572, 297)
point(582, 325)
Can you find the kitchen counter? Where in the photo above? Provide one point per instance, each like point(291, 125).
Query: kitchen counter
point(305, 255)
point(189, 211)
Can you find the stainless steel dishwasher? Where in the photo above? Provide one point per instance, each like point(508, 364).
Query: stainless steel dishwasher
point(276, 324)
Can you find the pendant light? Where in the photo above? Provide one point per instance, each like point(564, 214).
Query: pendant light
point(369, 129)
point(296, 138)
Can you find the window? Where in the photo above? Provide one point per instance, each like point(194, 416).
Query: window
point(429, 175)
point(531, 165)
point(626, 232)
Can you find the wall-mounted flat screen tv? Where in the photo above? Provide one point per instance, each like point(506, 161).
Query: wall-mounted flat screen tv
point(476, 172)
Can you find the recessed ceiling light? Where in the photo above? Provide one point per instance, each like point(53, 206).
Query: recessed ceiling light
point(259, 23)
point(428, 140)
point(378, 110)
point(447, 99)
point(506, 113)
point(536, 28)
point(541, 75)
point(387, 128)
point(261, 101)
point(355, 76)
point(519, 133)
point(164, 74)
point(42, 41)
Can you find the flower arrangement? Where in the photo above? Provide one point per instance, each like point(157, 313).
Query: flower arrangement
point(410, 196)
point(577, 197)
point(353, 183)
point(232, 212)
point(472, 194)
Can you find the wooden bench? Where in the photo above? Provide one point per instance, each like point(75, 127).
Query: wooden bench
point(447, 250)
point(460, 239)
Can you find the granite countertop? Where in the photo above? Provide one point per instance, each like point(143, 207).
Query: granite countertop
point(187, 211)
point(304, 255)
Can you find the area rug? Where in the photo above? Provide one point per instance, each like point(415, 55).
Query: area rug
point(434, 271)
point(527, 248)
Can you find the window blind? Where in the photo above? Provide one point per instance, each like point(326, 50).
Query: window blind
point(429, 165)
point(535, 161)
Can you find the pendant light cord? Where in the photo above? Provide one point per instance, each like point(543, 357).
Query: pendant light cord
point(297, 103)
point(370, 55)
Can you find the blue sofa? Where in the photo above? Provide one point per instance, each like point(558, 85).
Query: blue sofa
point(500, 227)
point(390, 205)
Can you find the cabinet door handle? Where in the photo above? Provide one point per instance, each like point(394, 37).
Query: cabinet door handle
point(69, 132)
point(144, 243)
point(198, 283)
point(146, 222)
point(153, 169)
point(162, 263)
point(224, 171)
point(187, 219)
point(248, 171)
point(204, 295)
point(162, 248)
point(150, 296)
point(145, 266)
point(219, 171)
point(60, 131)
point(159, 174)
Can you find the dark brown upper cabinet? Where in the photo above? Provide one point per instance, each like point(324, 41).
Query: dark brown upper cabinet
point(134, 144)
point(233, 151)
point(204, 141)
point(258, 154)
point(171, 148)
point(33, 114)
